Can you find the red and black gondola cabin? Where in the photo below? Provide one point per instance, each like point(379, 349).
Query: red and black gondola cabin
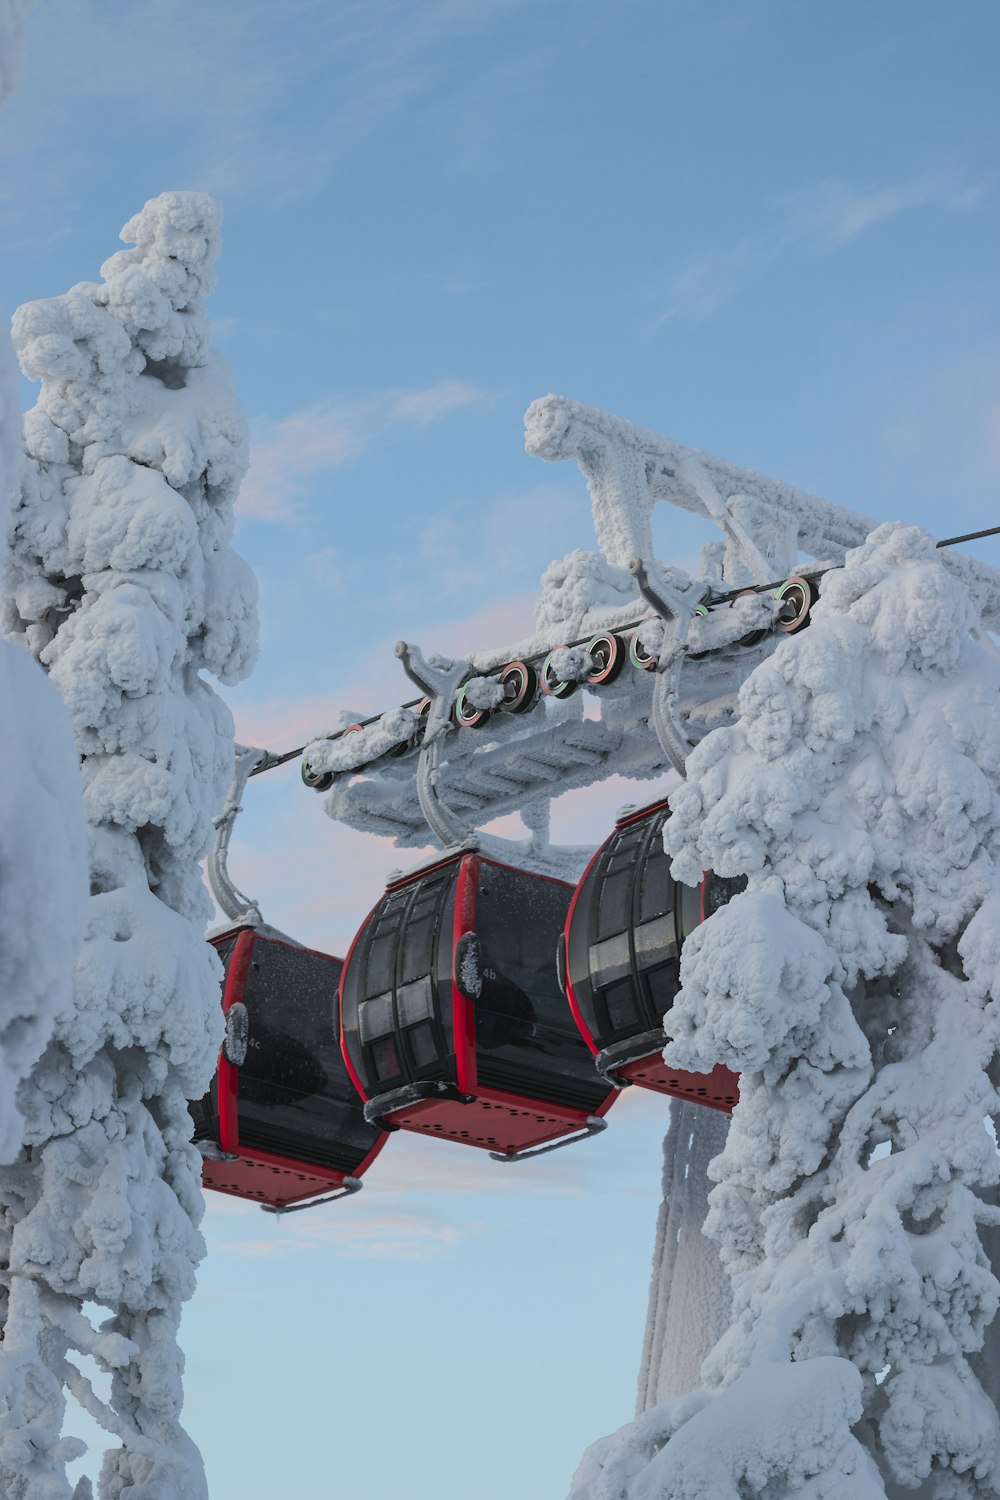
point(453, 1022)
point(622, 947)
point(282, 1121)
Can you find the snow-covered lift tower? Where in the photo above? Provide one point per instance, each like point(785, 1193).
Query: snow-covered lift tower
point(480, 743)
point(502, 730)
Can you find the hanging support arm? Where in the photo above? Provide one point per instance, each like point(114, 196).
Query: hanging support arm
point(232, 902)
point(440, 681)
point(674, 609)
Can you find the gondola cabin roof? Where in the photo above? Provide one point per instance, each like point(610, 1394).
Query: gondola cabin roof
point(624, 931)
point(282, 1122)
point(453, 1022)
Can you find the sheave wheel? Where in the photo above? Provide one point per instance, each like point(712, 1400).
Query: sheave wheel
point(752, 637)
point(519, 681)
point(609, 653)
point(320, 781)
point(466, 716)
point(699, 609)
point(552, 685)
point(638, 654)
point(797, 597)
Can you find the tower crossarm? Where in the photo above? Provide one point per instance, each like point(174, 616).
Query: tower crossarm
point(629, 469)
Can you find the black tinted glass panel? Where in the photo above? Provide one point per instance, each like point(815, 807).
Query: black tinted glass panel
point(525, 1035)
point(655, 941)
point(610, 959)
point(689, 909)
point(205, 1114)
point(414, 1002)
point(295, 1096)
point(655, 883)
point(663, 983)
point(422, 1043)
point(381, 955)
point(224, 948)
point(376, 1017)
point(397, 992)
point(720, 889)
point(385, 1059)
point(619, 1000)
point(614, 901)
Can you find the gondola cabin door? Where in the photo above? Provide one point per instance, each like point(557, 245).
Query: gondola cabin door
point(622, 947)
point(282, 1122)
point(453, 1022)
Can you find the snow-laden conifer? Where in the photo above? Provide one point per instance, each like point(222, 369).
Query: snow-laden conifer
point(852, 985)
point(124, 586)
point(42, 843)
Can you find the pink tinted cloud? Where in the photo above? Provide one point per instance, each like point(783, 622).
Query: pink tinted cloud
point(285, 455)
point(378, 681)
point(389, 1236)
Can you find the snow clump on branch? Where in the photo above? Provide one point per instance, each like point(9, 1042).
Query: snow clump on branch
point(852, 985)
point(125, 587)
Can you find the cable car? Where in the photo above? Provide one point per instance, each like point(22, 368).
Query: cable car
point(281, 1123)
point(621, 957)
point(453, 1022)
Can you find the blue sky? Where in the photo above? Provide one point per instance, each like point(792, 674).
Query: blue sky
point(766, 229)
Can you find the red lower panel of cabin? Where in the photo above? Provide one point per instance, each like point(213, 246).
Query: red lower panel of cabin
point(493, 1120)
point(267, 1179)
point(719, 1089)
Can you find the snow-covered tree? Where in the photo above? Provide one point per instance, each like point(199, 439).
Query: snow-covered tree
point(852, 985)
point(125, 588)
point(43, 883)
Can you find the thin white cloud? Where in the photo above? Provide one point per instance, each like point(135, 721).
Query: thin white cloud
point(831, 214)
point(555, 516)
point(285, 455)
point(424, 407)
point(386, 1236)
point(815, 220)
point(940, 434)
point(268, 100)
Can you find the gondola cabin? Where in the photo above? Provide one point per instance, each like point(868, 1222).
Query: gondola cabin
point(627, 922)
point(282, 1122)
point(453, 1022)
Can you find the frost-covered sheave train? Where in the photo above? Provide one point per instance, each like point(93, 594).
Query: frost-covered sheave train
point(852, 986)
point(125, 588)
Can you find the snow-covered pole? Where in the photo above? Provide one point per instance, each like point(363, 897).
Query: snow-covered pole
point(125, 587)
point(689, 1296)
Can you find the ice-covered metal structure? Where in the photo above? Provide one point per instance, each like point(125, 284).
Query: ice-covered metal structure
point(631, 664)
point(507, 730)
point(519, 733)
